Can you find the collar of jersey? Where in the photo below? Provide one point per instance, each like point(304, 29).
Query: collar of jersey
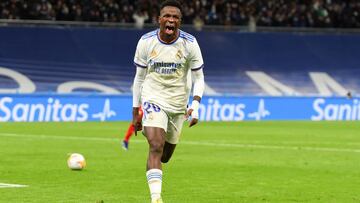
point(162, 42)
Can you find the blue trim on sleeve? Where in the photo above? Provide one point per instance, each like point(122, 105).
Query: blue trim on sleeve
point(187, 36)
point(149, 34)
point(195, 69)
point(138, 65)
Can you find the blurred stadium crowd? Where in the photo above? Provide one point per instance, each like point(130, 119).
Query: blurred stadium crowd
point(286, 13)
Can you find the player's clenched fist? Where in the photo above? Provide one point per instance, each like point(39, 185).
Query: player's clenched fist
point(193, 112)
point(136, 120)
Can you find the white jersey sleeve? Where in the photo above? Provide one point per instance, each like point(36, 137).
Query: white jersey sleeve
point(138, 81)
point(196, 61)
point(140, 59)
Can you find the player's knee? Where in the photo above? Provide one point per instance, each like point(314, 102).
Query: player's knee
point(156, 147)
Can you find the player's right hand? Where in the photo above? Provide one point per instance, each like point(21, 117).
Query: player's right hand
point(136, 121)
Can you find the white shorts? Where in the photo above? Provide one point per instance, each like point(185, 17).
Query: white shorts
point(172, 123)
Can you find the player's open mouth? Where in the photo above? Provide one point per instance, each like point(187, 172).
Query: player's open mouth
point(169, 29)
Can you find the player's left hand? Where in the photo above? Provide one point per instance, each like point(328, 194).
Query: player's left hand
point(194, 119)
point(193, 112)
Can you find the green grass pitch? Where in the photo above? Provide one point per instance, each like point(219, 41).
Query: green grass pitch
point(214, 162)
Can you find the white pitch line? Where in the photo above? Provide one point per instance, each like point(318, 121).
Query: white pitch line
point(259, 146)
point(43, 136)
point(7, 185)
point(213, 144)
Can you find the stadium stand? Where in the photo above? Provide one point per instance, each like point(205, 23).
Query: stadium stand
point(284, 13)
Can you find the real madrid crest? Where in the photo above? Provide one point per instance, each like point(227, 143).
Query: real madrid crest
point(179, 54)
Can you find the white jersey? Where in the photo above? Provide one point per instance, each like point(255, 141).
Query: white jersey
point(168, 80)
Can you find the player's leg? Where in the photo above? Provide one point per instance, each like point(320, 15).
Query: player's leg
point(172, 136)
point(128, 134)
point(156, 139)
point(167, 152)
point(154, 125)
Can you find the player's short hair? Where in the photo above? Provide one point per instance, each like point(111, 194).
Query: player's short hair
point(173, 3)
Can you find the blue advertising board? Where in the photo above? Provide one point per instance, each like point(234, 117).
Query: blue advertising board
point(62, 108)
point(79, 108)
point(279, 108)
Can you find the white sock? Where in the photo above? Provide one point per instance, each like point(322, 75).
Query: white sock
point(154, 178)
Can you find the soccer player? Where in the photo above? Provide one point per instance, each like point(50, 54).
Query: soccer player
point(130, 131)
point(167, 60)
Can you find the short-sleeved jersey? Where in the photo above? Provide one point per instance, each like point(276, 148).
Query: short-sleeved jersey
point(168, 80)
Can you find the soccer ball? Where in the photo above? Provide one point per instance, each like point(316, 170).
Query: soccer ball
point(76, 161)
